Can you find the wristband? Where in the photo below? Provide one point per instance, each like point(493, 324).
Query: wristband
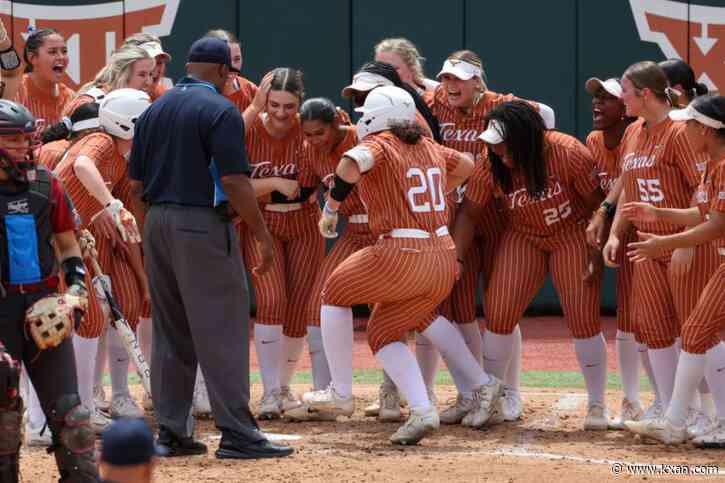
point(340, 189)
point(9, 59)
point(608, 208)
point(74, 271)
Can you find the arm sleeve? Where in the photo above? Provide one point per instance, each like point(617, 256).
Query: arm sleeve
point(686, 159)
point(479, 187)
point(226, 143)
point(367, 155)
point(63, 215)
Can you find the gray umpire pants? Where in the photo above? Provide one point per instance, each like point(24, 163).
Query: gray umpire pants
point(200, 310)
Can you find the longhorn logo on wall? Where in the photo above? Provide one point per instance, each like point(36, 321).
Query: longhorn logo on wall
point(92, 31)
point(694, 33)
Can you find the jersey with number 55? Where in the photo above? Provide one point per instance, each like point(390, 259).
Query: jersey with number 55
point(572, 177)
point(659, 167)
point(403, 185)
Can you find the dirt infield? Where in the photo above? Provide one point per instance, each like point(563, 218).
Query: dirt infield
point(546, 445)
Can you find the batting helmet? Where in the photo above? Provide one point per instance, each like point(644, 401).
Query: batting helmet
point(120, 109)
point(383, 107)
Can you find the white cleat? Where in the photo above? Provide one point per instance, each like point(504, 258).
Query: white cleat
point(288, 399)
point(487, 405)
point(699, 424)
point(38, 437)
point(201, 406)
point(597, 418)
point(420, 423)
point(389, 400)
point(513, 406)
point(99, 399)
point(455, 413)
point(328, 401)
point(99, 421)
point(656, 410)
point(659, 429)
point(715, 438)
point(270, 407)
point(125, 407)
point(631, 411)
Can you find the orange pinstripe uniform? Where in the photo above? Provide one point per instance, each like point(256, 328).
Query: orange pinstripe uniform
point(546, 234)
point(50, 154)
point(158, 91)
point(357, 234)
point(77, 102)
point(660, 167)
point(101, 148)
point(460, 131)
point(240, 91)
point(701, 330)
point(608, 166)
point(282, 294)
point(402, 186)
point(43, 104)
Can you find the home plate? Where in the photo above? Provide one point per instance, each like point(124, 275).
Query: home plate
point(274, 437)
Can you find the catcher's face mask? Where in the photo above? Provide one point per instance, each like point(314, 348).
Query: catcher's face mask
point(17, 152)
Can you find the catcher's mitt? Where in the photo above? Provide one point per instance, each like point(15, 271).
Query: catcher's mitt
point(53, 318)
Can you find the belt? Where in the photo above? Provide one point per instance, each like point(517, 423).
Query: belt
point(283, 207)
point(48, 283)
point(357, 218)
point(414, 233)
point(721, 251)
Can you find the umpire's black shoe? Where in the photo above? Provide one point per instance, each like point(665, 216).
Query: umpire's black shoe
point(229, 449)
point(169, 445)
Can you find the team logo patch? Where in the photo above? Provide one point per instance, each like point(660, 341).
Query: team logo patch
point(18, 206)
point(91, 32)
point(691, 32)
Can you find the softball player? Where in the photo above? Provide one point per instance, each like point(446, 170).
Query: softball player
point(659, 166)
point(605, 144)
point(703, 352)
point(681, 78)
point(326, 140)
point(274, 148)
point(460, 104)
point(41, 89)
point(406, 274)
point(239, 90)
point(548, 183)
point(152, 45)
point(403, 55)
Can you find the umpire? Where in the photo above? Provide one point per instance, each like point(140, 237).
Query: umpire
point(189, 167)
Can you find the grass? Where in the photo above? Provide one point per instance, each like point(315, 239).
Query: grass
point(545, 379)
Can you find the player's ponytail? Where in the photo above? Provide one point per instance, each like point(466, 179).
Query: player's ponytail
point(681, 76)
point(523, 135)
point(80, 122)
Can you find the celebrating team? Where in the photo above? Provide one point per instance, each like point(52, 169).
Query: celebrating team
point(441, 182)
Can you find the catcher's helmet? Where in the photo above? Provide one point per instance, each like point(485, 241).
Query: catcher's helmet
point(17, 159)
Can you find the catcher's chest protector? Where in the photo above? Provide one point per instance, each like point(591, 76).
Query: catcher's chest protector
point(26, 253)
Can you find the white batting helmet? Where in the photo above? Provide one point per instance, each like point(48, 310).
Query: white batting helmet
point(384, 106)
point(120, 109)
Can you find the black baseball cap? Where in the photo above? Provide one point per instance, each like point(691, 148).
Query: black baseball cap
point(209, 50)
point(128, 442)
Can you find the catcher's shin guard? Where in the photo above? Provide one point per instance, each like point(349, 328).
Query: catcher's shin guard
point(11, 416)
point(75, 441)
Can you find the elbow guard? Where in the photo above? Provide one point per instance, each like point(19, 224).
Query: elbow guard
point(340, 189)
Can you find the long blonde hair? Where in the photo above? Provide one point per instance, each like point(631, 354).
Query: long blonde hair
point(408, 52)
point(117, 72)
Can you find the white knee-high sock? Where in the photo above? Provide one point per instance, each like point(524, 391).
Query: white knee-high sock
point(497, 350)
point(644, 360)
point(291, 354)
point(715, 374)
point(400, 365)
point(664, 366)
point(101, 357)
point(427, 356)
point(592, 356)
point(337, 338)
point(690, 370)
point(268, 343)
point(85, 352)
point(628, 361)
point(512, 379)
point(36, 416)
point(144, 333)
point(463, 366)
point(118, 361)
point(471, 333)
point(320, 370)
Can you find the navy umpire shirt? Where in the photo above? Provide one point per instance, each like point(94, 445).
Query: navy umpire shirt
point(184, 142)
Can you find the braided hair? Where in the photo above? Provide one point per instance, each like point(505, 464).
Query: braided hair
point(388, 71)
point(523, 133)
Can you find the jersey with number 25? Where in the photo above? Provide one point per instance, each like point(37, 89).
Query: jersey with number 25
point(403, 185)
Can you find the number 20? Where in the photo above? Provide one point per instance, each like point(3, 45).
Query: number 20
point(430, 180)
